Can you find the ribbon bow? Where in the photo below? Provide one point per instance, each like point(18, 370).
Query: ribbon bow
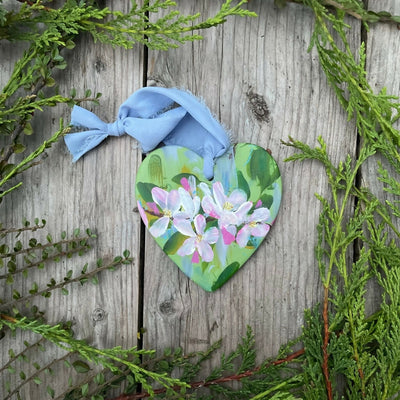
point(153, 115)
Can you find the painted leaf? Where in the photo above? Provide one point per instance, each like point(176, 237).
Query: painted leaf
point(174, 243)
point(226, 274)
point(144, 190)
point(242, 183)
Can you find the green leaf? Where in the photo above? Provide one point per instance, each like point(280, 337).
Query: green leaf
point(242, 184)
point(50, 82)
point(263, 168)
point(81, 367)
point(37, 380)
point(28, 130)
point(50, 391)
point(144, 190)
point(226, 274)
point(177, 178)
point(19, 148)
point(85, 389)
point(280, 3)
point(174, 243)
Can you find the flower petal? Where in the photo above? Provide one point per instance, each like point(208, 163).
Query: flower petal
point(184, 226)
point(188, 247)
point(205, 251)
point(210, 207)
point(205, 189)
point(227, 236)
point(196, 204)
point(243, 236)
point(242, 211)
point(195, 258)
point(153, 207)
point(260, 215)
point(187, 201)
point(185, 184)
point(200, 224)
point(212, 235)
point(228, 218)
point(219, 195)
point(160, 196)
point(142, 213)
point(192, 184)
point(159, 227)
point(173, 201)
point(237, 197)
point(260, 230)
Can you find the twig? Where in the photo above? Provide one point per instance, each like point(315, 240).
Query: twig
point(44, 246)
point(231, 378)
point(51, 258)
point(325, 368)
point(6, 231)
point(60, 285)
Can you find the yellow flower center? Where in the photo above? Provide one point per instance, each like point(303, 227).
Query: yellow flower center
point(167, 213)
point(199, 238)
point(252, 224)
point(227, 206)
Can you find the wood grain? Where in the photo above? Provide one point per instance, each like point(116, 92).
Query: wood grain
point(383, 56)
point(95, 192)
point(259, 80)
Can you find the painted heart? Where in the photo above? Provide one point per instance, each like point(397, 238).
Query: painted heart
point(209, 228)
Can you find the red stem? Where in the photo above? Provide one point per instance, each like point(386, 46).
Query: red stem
point(325, 368)
point(195, 385)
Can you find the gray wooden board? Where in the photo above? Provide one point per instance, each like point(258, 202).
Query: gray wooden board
point(265, 62)
point(382, 59)
point(96, 192)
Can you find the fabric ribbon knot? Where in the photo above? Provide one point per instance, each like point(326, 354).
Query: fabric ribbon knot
point(116, 128)
point(155, 115)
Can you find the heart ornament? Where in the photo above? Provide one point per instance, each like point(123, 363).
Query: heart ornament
point(209, 228)
point(208, 204)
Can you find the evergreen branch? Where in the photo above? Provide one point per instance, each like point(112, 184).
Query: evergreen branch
point(325, 365)
point(108, 358)
point(356, 10)
point(206, 383)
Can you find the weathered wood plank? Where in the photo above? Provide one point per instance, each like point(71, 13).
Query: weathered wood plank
point(95, 192)
point(258, 79)
point(383, 57)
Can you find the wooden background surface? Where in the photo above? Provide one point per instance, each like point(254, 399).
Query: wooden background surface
point(262, 61)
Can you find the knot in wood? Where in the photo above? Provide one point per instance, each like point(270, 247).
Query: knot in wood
point(258, 107)
point(98, 314)
point(167, 307)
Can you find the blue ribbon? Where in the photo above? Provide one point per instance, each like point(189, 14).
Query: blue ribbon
point(154, 115)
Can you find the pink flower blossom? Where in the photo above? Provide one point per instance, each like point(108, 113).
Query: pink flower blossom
point(170, 203)
point(255, 225)
point(189, 205)
point(199, 240)
point(142, 213)
point(229, 210)
point(189, 185)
